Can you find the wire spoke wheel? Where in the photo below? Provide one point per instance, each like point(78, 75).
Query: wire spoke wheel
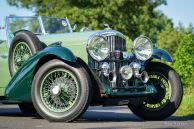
point(163, 87)
point(21, 53)
point(59, 90)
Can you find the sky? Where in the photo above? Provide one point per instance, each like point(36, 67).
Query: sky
point(6, 10)
point(177, 10)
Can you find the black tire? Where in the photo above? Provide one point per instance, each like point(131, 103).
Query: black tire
point(82, 98)
point(168, 107)
point(27, 108)
point(30, 40)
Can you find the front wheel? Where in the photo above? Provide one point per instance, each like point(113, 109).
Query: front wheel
point(61, 92)
point(168, 97)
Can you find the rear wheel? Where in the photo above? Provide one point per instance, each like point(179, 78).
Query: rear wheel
point(168, 97)
point(61, 92)
point(23, 46)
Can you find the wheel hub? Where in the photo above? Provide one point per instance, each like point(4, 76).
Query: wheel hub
point(56, 90)
point(18, 61)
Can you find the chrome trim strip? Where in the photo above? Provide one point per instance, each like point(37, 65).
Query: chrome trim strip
point(68, 23)
point(42, 25)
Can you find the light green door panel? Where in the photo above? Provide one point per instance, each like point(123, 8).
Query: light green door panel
point(4, 68)
point(2, 91)
point(75, 41)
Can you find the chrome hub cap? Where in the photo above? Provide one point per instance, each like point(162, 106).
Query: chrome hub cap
point(56, 90)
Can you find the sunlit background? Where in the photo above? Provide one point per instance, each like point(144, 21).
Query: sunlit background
point(180, 11)
point(175, 35)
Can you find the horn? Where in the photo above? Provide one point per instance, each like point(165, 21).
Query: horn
point(112, 76)
point(144, 77)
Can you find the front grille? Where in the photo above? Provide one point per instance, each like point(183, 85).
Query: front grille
point(116, 43)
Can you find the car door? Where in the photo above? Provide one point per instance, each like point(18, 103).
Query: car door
point(4, 69)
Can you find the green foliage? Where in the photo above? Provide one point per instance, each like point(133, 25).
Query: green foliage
point(131, 17)
point(170, 37)
point(129, 43)
point(184, 57)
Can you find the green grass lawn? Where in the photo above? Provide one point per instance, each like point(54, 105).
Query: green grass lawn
point(187, 106)
point(3, 47)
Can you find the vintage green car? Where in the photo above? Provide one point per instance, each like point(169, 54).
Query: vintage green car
point(48, 68)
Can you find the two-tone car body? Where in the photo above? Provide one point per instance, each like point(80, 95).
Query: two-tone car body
point(62, 72)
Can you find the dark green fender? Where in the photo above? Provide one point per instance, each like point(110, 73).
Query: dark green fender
point(19, 88)
point(162, 55)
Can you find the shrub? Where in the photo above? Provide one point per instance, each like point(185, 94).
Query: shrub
point(184, 60)
point(169, 39)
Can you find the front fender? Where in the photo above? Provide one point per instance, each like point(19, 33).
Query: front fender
point(162, 55)
point(19, 87)
point(60, 52)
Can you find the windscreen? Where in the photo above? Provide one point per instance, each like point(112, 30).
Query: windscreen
point(49, 25)
point(21, 23)
point(55, 25)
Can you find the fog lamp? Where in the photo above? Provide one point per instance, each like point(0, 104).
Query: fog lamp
point(126, 72)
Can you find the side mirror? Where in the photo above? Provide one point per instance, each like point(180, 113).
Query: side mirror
point(74, 27)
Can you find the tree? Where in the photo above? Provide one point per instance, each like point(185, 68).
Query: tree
point(131, 17)
point(170, 37)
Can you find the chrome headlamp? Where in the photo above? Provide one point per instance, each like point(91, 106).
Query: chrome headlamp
point(142, 48)
point(98, 48)
point(126, 72)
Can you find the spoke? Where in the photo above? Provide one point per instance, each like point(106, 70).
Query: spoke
point(20, 54)
point(66, 97)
